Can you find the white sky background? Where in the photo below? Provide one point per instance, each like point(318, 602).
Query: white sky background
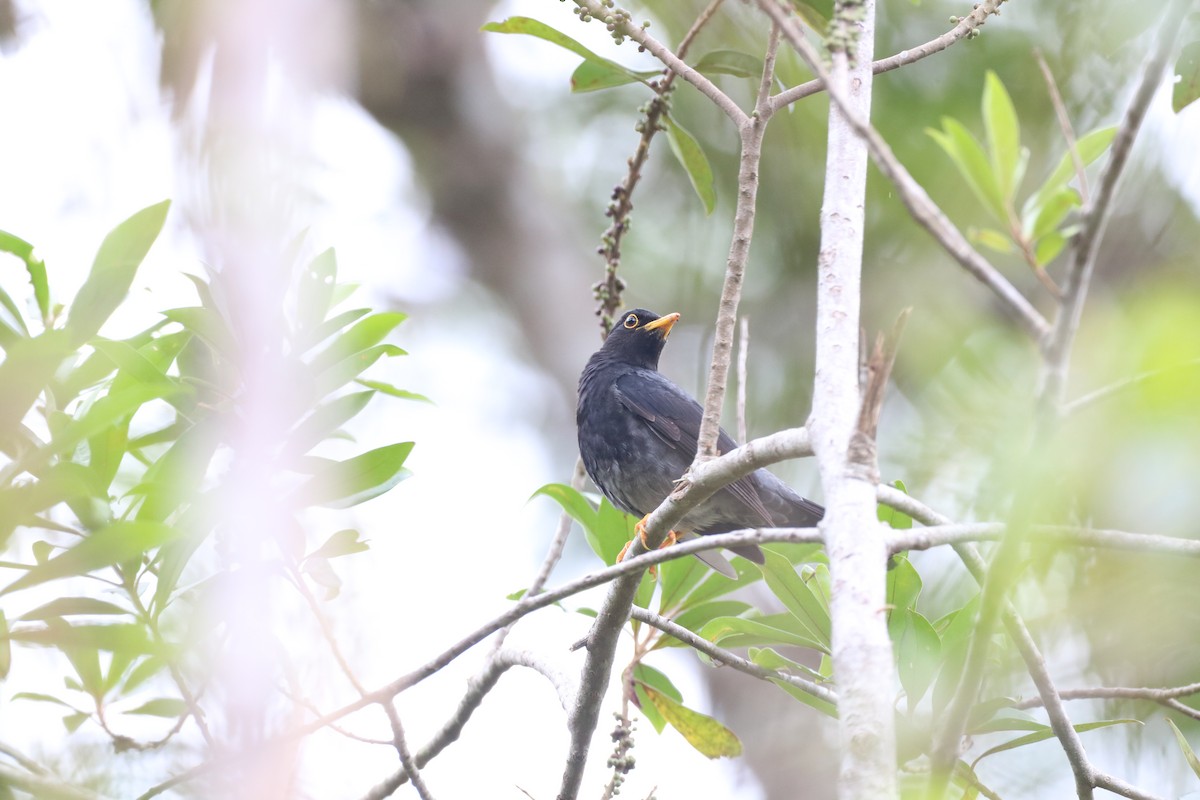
point(92, 142)
point(87, 140)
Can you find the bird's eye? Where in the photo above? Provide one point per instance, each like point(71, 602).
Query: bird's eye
point(631, 321)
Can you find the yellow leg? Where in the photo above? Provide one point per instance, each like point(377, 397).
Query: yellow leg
point(640, 530)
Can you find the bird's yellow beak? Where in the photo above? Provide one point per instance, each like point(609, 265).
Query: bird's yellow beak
point(666, 322)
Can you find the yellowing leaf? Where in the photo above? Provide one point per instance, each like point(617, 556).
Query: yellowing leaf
point(702, 732)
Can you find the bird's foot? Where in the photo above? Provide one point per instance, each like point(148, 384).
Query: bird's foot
point(640, 530)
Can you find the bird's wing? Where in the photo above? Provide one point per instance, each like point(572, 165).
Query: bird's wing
point(675, 417)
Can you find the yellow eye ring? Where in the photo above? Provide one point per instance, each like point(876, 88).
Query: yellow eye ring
point(631, 321)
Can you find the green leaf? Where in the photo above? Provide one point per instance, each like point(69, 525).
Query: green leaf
point(169, 707)
point(742, 632)
point(1048, 248)
point(531, 27)
point(898, 520)
point(1003, 135)
point(68, 606)
point(903, 584)
point(28, 366)
point(147, 669)
point(702, 732)
point(811, 17)
point(1048, 733)
point(972, 162)
point(392, 391)
point(1051, 213)
point(677, 578)
point(347, 483)
point(113, 544)
point(643, 676)
point(606, 528)
point(992, 239)
point(695, 163)
point(342, 543)
point(73, 721)
point(769, 659)
point(205, 323)
point(308, 339)
point(127, 637)
point(366, 333)
point(5, 647)
point(998, 715)
point(316, 289)
point(1090, 147)
point(696, 617)
point(1188, 754)
point(955, 629)
point(730, 62)
point(325, 419)
point(716, 584)
point(38, 697)
point(918, 651)
point(105, 412)
point(348, 369)
point(1187, 87)
point(37, 274)
point(798, 597)
point(127, 358)
point(120, 255)
point(591, 76)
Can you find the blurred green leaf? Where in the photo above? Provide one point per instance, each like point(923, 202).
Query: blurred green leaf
point(120, 255)
point(797, 596)
point(321, 571)
point(349, 368)
point(392, 391)
point(955, 629)
point(689, 153)
point(1043, 735)
point(119, 637)
point(811, 17)
point(342, 543)
point(1187, 87)
point(1090, 147)
point(677, 578)
point(1048, 248)
point(903, 584)
point(108, 410)
point(146, 669)
point(313, 337)
point(325, 419)
point(365, 333)
point(997, 715)
point(37, 275)
point(769, 659)
point(1003, 135)
point(68, 606)
point(205, 323)
point(730, 62)
point(28, 366)
point(968, 156)
point(592, 75)
point(169, 707)
point(606, 528)
point(5, 647)
point(347, 483)
point(702, 732)
point(39, 697)
point(1052, 212)
point(73, 721)
point(315, 289)
point(716, 584)
point(129, 360)
point(118, 542)
point(1188, 754)
point(992, 239)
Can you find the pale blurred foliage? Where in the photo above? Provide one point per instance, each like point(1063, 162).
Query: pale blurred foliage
point(513, 174)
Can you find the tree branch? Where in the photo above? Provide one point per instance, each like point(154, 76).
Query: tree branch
point(920, 206)
point(731, 659)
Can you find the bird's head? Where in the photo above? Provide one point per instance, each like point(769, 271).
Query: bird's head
point(638, 337)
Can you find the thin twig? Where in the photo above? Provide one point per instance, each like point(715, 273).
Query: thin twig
point(920, 206)
point(1104, 392)
point(1064, 122)
point(962, 30)
point(731, 659)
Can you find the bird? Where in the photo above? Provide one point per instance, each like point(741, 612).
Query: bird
point(638, 434)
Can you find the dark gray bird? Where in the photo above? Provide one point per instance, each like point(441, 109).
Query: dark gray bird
point(638, 433)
